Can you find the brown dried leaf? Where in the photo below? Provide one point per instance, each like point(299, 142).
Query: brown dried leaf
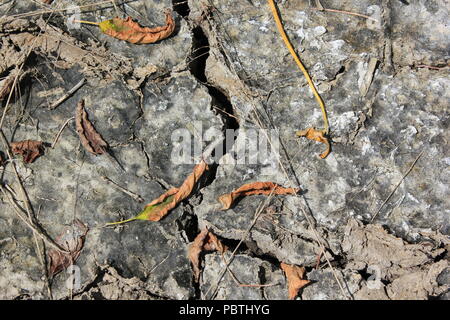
point(29, 149)
point(205, 241)
point(212, 243)
point(73, 241)
point(316, 135)
point(131, 31)
point(179, 194)
point(295, 278)
point(252, 188)
point(91, 140)
point(160, 207)
point(194, 251)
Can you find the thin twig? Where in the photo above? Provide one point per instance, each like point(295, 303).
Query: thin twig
point(228, 114)
point(60, 131)
point(261, 207)
point(397, 185)
point(16, 78)
point(43, 261)
point(346, 12)
point(39, 12)
point(242, 284)
point(115, 8)
point(160, 263)
point(55, 104)
point(28, 209)
point(128, 192)
point(34, 228)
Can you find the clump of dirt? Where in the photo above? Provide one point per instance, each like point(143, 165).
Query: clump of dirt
point(399, 270)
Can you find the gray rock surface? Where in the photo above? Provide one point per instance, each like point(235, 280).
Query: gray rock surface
point(242, 280)
point(385, 83)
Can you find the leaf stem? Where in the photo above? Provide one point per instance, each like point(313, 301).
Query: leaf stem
point(299, 63)
point(120, 222)
point(87, 22)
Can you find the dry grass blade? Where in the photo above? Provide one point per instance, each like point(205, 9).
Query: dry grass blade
point(346, 12)
point(20, 213)
point(397, 185)
point(60, 131)
point(214, 287)
point(128, 192)
point(39, 12)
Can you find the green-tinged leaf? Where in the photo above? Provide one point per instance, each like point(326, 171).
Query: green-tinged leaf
point(149, 212)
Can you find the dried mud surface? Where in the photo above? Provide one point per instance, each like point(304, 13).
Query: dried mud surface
point(385, 82)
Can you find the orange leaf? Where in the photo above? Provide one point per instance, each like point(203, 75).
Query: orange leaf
point(228, 199)
point(131, 31)
point(179, 194)
point(29, 149)
point(160, 207)
point(317, 135)
point(205, 241)
point(194, 251)
point(295, 278)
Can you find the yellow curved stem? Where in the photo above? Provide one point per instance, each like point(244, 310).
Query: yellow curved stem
point(299, 63)
point(120, 222)
point(86, 22)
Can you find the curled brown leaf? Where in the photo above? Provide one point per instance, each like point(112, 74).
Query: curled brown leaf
point(131, 31)
point(91, 140)
point(205, 241)
point(295, 277)
point(253, 188)
point(73, 241)
point(161, 206)
point(179, 194)
point(316, 135)
point(29, 149)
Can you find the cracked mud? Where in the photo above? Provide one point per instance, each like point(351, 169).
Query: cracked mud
point(385, 82)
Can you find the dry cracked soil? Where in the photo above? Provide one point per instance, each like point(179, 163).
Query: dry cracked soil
point(371, 220)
